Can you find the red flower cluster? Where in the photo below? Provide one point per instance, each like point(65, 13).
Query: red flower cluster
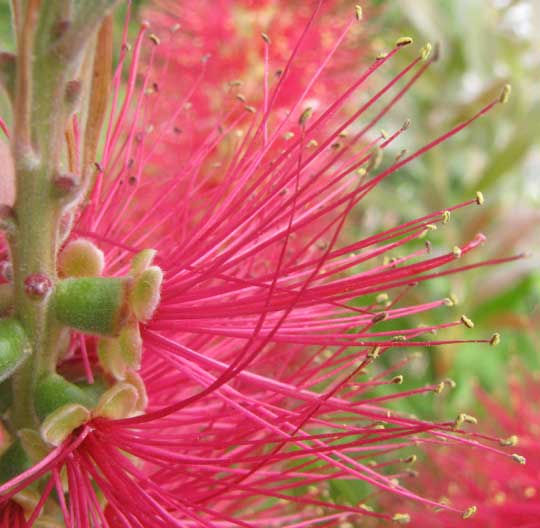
point(254, 391)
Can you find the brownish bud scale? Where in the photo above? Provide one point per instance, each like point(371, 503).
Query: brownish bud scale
point(65, 184)
point(37, 286)
point(73, 91)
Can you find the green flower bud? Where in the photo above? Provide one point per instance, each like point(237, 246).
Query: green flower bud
point(53, 391)
point(81, 258)
point(95, 305)
point(14, 347)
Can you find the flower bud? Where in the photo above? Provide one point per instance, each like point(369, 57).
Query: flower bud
point(81, 258)
point(95, 305)
point(53, 391)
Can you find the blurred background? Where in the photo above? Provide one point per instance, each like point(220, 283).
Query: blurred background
point(484, 44)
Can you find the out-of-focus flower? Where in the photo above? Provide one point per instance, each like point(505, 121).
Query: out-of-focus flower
point(506, 494)
point(250, 387)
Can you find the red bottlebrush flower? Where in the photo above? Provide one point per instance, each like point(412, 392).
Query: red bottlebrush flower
point(252, 394)
point(505, 493)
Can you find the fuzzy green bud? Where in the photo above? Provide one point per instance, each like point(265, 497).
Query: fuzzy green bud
point(14, 347)
point(95, 305)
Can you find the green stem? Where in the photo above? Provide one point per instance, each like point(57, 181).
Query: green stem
point(46, 62)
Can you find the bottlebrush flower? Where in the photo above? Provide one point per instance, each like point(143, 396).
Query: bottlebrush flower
point(506, 493)
point(248, 392)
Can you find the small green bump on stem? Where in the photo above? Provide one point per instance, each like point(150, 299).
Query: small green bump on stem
point(62, 422)
point(81, 258)
point(14, 347)
point(95, 305)
point(146, 292)
point(53, 391)
point(120, 401)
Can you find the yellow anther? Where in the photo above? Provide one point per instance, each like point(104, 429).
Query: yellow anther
point(397, 380)
point(358, 12)
point(403, 41)
point(446, 217)
point(425, 52)
point(456, 251)
point(495, 339)
point(505, 94)
point(511, 441)
point(469, 512)
point(479, 198)
point(466, 321)
point(266, 38)
point(519, 459)
point(402, 518)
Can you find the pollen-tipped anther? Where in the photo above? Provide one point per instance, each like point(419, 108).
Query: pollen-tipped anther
point(466, 321)
point(505, 94)
point(495, 339)
point(519, 459)
point(425, 52)
point(401, 518)
point(510, 441)
point(469, 512)
point(464, 418)
point(266, 38)
point(479, 198)
point(403, 41)
point(358, 12)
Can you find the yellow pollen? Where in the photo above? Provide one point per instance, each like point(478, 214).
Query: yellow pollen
point(403, 41)
point(466, 321)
